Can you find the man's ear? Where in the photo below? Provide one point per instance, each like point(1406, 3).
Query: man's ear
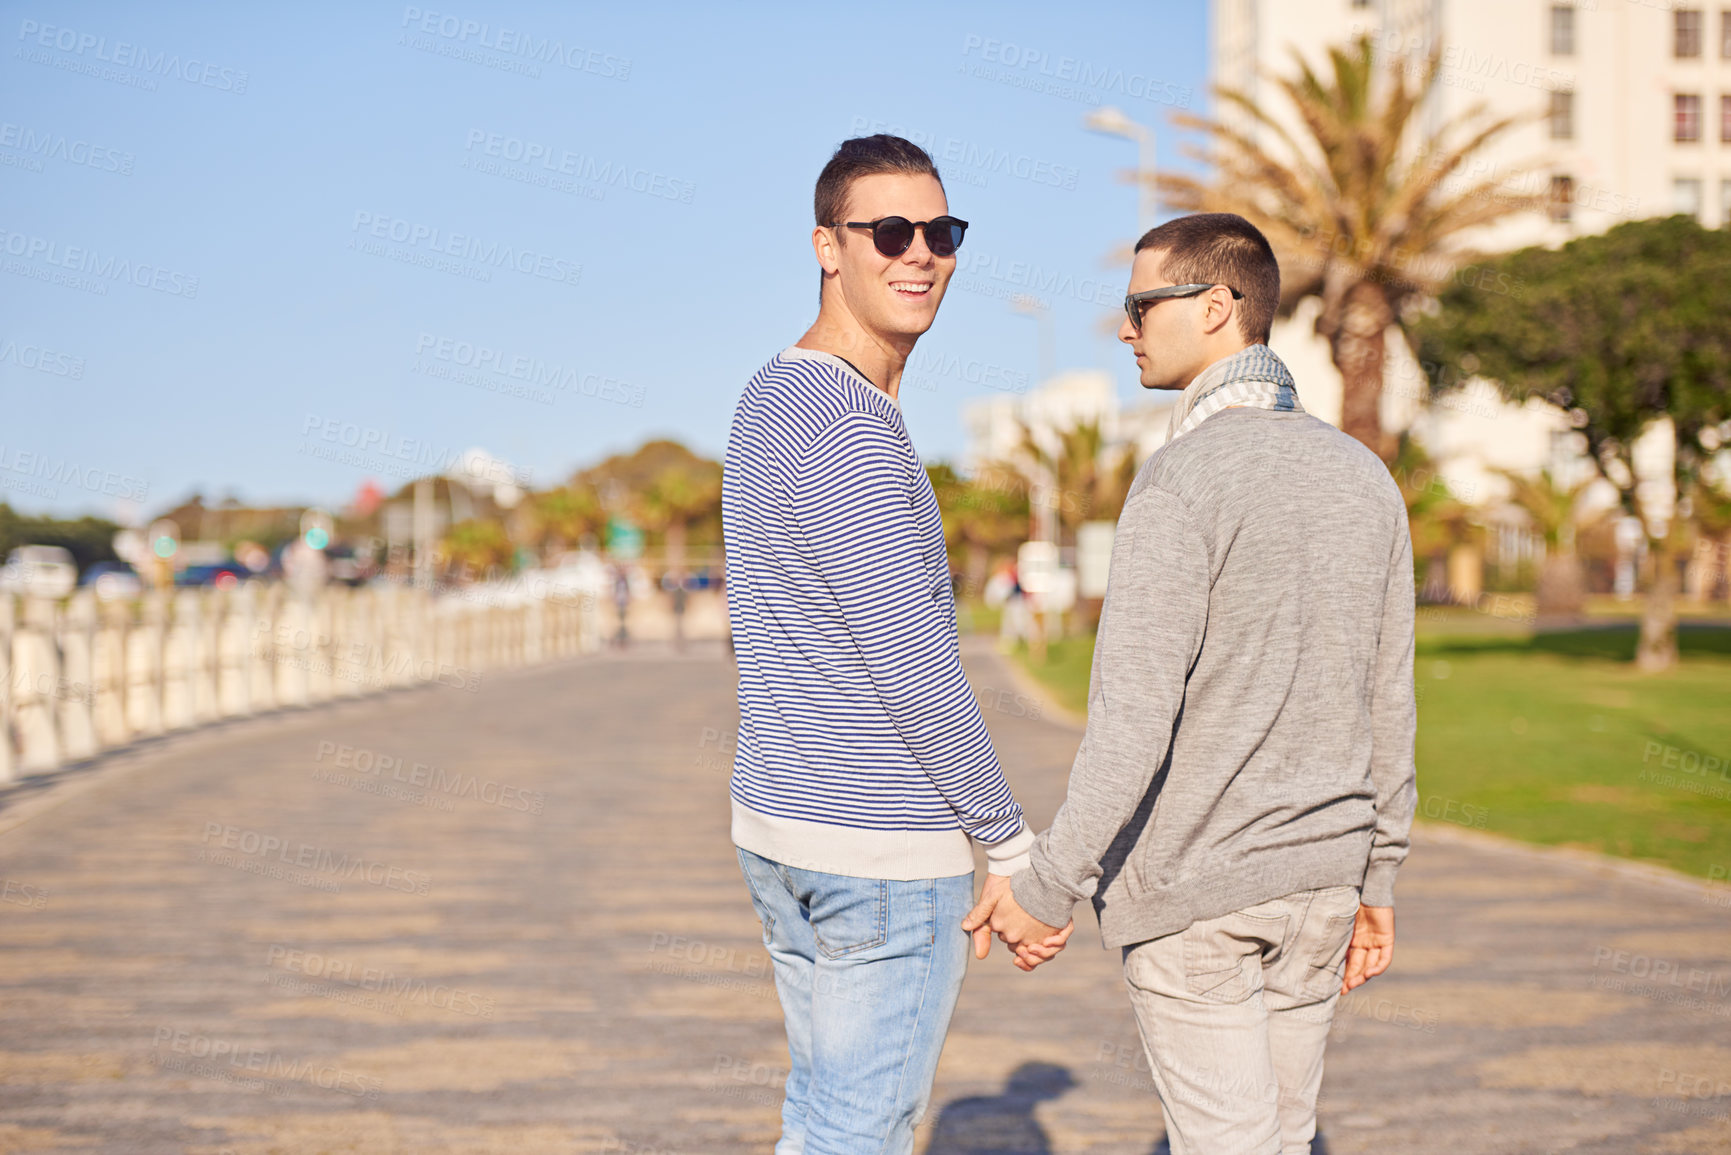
point(1221, 309)
point(823, 244)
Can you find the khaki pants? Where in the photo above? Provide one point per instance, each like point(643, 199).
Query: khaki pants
point(1234, 1013)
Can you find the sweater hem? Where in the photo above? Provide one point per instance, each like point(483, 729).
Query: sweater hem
point(1125, 921)
point(895, 855)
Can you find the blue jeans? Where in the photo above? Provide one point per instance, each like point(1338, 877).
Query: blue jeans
point(868, 971)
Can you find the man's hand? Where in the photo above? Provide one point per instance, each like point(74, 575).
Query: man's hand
point(1031, 954)
point(1372, 946)
point(997, 886)
point(1032, 941)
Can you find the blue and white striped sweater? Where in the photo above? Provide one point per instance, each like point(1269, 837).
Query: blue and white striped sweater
point(861, 748)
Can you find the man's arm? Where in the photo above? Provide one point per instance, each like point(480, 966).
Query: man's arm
point(1393, 726)
point(1150, 633)
point(851, 499)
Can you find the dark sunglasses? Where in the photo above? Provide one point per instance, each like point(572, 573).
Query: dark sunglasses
point(1134, 302)
point(894, 235)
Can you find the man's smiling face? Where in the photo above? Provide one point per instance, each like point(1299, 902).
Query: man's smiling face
point(893, 297)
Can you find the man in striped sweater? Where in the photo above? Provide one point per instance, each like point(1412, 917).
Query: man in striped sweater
point(864, 772)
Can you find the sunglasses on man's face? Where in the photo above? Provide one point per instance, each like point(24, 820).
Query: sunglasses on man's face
point(1134, 303)
point(893, 236)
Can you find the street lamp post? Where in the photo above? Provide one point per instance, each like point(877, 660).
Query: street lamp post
point(1112, 121)
point(1031, 306)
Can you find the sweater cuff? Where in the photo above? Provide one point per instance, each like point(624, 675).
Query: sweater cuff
point(1046, 903)
point(1011, 854)
point(1378, 888)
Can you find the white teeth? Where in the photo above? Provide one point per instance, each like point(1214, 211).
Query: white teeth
point(911, 286)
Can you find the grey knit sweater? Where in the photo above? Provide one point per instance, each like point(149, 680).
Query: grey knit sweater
point(1250, 711)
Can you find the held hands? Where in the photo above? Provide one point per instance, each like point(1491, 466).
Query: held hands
point(1371, 948)
point(1032, 941)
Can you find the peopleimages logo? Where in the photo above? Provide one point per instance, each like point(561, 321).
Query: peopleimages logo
point(41, 359)
point(555, 161)
point(434, 240)
point(512, 42)
point(103, 266)
point(121, 54)
point(1068, 77)
point(58, 146)
point(65, 471)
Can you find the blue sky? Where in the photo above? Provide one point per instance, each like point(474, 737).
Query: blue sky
point(277, 250)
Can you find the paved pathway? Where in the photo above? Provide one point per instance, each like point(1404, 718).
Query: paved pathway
point(509, 921)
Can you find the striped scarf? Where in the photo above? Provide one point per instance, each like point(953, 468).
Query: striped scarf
point(1252, 377)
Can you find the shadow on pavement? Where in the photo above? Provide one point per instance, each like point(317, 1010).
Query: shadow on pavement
point(1318, 1146)
point(1002, 1124)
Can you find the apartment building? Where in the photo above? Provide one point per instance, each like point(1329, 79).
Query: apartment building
point(1627, 107)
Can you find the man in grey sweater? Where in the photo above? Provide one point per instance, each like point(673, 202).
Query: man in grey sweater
point(1243, 793)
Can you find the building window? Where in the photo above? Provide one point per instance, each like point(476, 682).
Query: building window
point(1725, 119)
point(1725, 33)
point(1686, 32)
point(1562, 116)
point(1686, 117)
point(1686, 196)
point(1361, 3)
point(1725, 203)
point(1562, 30)
point(1562, 198)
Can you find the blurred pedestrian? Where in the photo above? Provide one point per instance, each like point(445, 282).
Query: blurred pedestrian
point(621, 602)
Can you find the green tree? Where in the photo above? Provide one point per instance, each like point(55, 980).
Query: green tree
point(676, 497)
point(88, 539)
point(563, 517)
point(985, 517)
point(1365, 212)
point(478, 547)
point(1622, 330)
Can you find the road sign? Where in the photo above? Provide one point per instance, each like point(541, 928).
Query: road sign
point(624, 539)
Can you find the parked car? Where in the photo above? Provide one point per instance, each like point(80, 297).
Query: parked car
point(112, 580)
point(39, 571)
point(223, 575)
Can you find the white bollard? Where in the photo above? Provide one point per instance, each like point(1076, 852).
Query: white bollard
point(108, 674)
point(8, 694)
point(36, 677)
point(76, 689)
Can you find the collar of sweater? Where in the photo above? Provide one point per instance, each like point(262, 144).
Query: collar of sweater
point(1253, 377)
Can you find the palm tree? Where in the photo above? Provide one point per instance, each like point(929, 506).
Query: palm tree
point(1440, 522)
point(1553, 509)
point(1088, 479)
point(1358, 204)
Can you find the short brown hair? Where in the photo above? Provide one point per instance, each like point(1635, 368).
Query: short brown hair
point(866, 156)
point(1222, 249)
point(859, 157)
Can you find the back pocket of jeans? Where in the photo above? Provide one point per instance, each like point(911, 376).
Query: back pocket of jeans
point(851, 917)
point(1329, 929)
point(1223, 956)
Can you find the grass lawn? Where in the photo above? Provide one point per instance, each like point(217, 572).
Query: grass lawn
point(1556, 739)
